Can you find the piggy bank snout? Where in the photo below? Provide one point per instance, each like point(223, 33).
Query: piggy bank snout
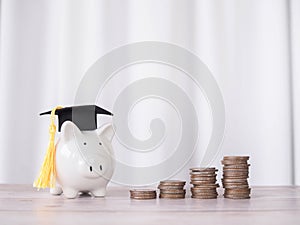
point(94, 167)
point(97, 167)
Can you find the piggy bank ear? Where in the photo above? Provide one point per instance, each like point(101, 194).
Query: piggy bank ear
point(69, 131)
point(106, 131)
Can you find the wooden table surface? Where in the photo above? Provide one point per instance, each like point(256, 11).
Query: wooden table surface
point(21, 204)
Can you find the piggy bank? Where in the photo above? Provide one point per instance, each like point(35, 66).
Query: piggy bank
point(84, 160)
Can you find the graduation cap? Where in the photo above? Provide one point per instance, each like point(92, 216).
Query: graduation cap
point(84, 116)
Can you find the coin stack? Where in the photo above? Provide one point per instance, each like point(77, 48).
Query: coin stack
point(143, 194)
point(235, 175)
point(173, 189)
point(204, 183)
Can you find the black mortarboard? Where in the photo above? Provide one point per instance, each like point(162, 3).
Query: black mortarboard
point(84, 116)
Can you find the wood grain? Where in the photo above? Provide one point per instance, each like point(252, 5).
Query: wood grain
point(21, 204)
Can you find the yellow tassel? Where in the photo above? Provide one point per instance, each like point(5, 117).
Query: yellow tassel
point(47, 174)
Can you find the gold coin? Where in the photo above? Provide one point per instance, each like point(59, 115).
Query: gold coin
point(233, 186)
point(167, 187)
point(173, 191)
point(202, 183)
point(143, 197)
point(204, 197)
point(235, 172)
point(237, 178)
point(204, 193)
point(204, 169)
point(211, 179)
point(206, 185)
point(172, 182)
point(237, 196)
point(203, 188)
point(143, 191)
point(237, 157)
point(171, 196)
point(237, 166)
point(203, 175)
point(231, 162)
point(234, 180)
point(238, 190)
point(214, 192)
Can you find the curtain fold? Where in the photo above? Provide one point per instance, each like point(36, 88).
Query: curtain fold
point(47, 46)
point(295, 72)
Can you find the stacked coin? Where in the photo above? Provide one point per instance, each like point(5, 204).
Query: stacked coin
point(143, 194)
point(204, 183)
point(173, 189)
point(235, 175)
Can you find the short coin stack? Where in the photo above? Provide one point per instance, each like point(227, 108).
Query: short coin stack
point(235, 175)
point(173, 189)
point(143, 194)
point(204, 183)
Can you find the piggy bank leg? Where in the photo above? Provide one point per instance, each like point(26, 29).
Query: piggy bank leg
point(99, 192)
point(70, 192)
point(56, 191)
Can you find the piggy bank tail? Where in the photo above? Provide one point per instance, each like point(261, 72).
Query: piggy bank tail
point(47, 174)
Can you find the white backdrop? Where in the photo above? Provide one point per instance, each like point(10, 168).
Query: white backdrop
point(251, 47)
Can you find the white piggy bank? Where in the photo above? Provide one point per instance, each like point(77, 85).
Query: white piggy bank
point(84, 160)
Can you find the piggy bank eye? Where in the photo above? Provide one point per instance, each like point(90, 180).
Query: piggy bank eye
point(84, 143)
point(100, 143)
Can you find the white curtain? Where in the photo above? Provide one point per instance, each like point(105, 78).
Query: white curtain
point(251, 47)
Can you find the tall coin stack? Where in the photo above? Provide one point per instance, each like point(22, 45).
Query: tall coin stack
point(173, 189)
point(235, 177)
point(204, 183)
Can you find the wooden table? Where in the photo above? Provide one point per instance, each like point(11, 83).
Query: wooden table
point(21, 204)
